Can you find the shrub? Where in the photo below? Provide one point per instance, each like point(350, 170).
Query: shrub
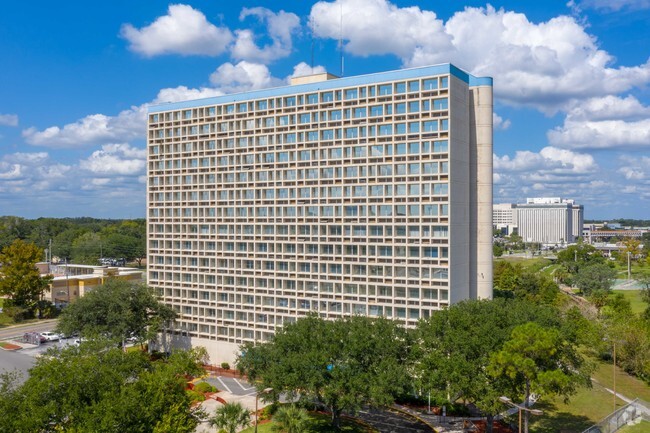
point(17, 314)
point(225, 366)
point(204, 387)
point(268, 411)
point(195, 396)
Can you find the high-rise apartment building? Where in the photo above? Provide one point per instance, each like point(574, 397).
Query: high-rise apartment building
point(360, 195)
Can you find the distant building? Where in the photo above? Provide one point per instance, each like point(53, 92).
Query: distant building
point(74, 281)
point(504, 217)
point(547, 220)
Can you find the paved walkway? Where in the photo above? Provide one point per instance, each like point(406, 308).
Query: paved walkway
point(611, 391)
point(392, 421)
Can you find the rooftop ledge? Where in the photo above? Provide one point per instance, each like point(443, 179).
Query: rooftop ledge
point(326, 81)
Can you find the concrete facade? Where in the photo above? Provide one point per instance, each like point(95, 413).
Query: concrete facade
point(361, 195)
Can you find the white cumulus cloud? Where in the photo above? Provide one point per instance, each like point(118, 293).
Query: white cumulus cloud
point(376, 27)
point(609, 5)
point(544, 65)
point(184, 30)
point(302, 69)
point(280, 27)
point(499, 122)
point(116, 159)
point(610, 122)
point(548, 162)
point(606, 134)
point(184, 93)
point(91, 130)
point(637, 169)
point(9, 119)
point(243, 76)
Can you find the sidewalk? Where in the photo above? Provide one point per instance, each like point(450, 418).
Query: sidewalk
point(210, 405)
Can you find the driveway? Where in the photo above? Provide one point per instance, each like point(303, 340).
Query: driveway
point(16, 361)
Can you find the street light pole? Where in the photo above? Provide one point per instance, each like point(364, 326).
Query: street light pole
point(614, 343)
point(257, 397)
point(520, 409)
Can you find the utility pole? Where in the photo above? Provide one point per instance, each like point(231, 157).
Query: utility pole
point(629, 268)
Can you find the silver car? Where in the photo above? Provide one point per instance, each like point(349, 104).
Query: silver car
point(50, 336)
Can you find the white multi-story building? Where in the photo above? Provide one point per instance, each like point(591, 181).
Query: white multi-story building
point(360, 195)
point(504, 217)
point(549, 220)
point(578, 217)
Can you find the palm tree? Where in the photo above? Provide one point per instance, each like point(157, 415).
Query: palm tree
point(291, 419)
point(230, 417)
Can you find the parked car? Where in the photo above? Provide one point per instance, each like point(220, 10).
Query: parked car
point(33, 338)
point(50, 336)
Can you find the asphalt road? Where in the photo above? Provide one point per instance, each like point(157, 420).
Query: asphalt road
point(22, 360)
point(17, 331)
point(16, 361)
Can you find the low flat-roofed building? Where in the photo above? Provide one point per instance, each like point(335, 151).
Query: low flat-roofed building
point(71, 281)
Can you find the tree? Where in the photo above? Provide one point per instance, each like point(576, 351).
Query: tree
point(20, 279)
point(12, 228)
point(524, 283)
point(117, 309)
point(632, 247)
point(455, 345)
point(539, 359)
point(230, 417)
point(291, 419)
point(343, 364)
point(579, 255)
point(594, 277)
point(99, 388)
point(599, 298)
point(87, 248)
point(497, 250)
point(127, 239)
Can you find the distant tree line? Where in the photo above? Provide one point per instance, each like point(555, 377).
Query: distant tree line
point(625, 222)
point(79, 240)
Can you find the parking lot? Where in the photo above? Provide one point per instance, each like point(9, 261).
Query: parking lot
point(231, 385)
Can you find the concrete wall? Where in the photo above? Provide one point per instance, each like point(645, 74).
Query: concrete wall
point(481, 110)
point(459, 192)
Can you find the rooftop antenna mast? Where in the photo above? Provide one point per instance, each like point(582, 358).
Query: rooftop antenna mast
point(341, 39)
point(311, 30)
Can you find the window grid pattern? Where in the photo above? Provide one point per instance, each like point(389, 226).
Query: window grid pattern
point(335, 202)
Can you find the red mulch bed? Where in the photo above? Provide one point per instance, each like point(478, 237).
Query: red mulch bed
point(498, 427)
point(9, 346)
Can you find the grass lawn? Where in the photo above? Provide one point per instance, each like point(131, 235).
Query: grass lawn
point(634, 296)
point(642, 427)
point(629, 386)
point(526, 262)
point(582, 411)
point(320, 423)
point(588, 406)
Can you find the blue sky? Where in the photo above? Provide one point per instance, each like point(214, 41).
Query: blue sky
point(571, 80)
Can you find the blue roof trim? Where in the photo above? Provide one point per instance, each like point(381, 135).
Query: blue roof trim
point(337, 83)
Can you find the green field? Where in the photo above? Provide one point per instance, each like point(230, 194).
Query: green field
point(642, 427)
point(634, 296)
point(589, 406)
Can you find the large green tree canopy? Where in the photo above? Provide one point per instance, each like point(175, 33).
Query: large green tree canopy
point(454, 347)
point(117, 309)
point(20, 279)
point(343, 364)
point(96, 388)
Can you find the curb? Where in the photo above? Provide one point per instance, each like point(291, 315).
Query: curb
point(406, 412)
